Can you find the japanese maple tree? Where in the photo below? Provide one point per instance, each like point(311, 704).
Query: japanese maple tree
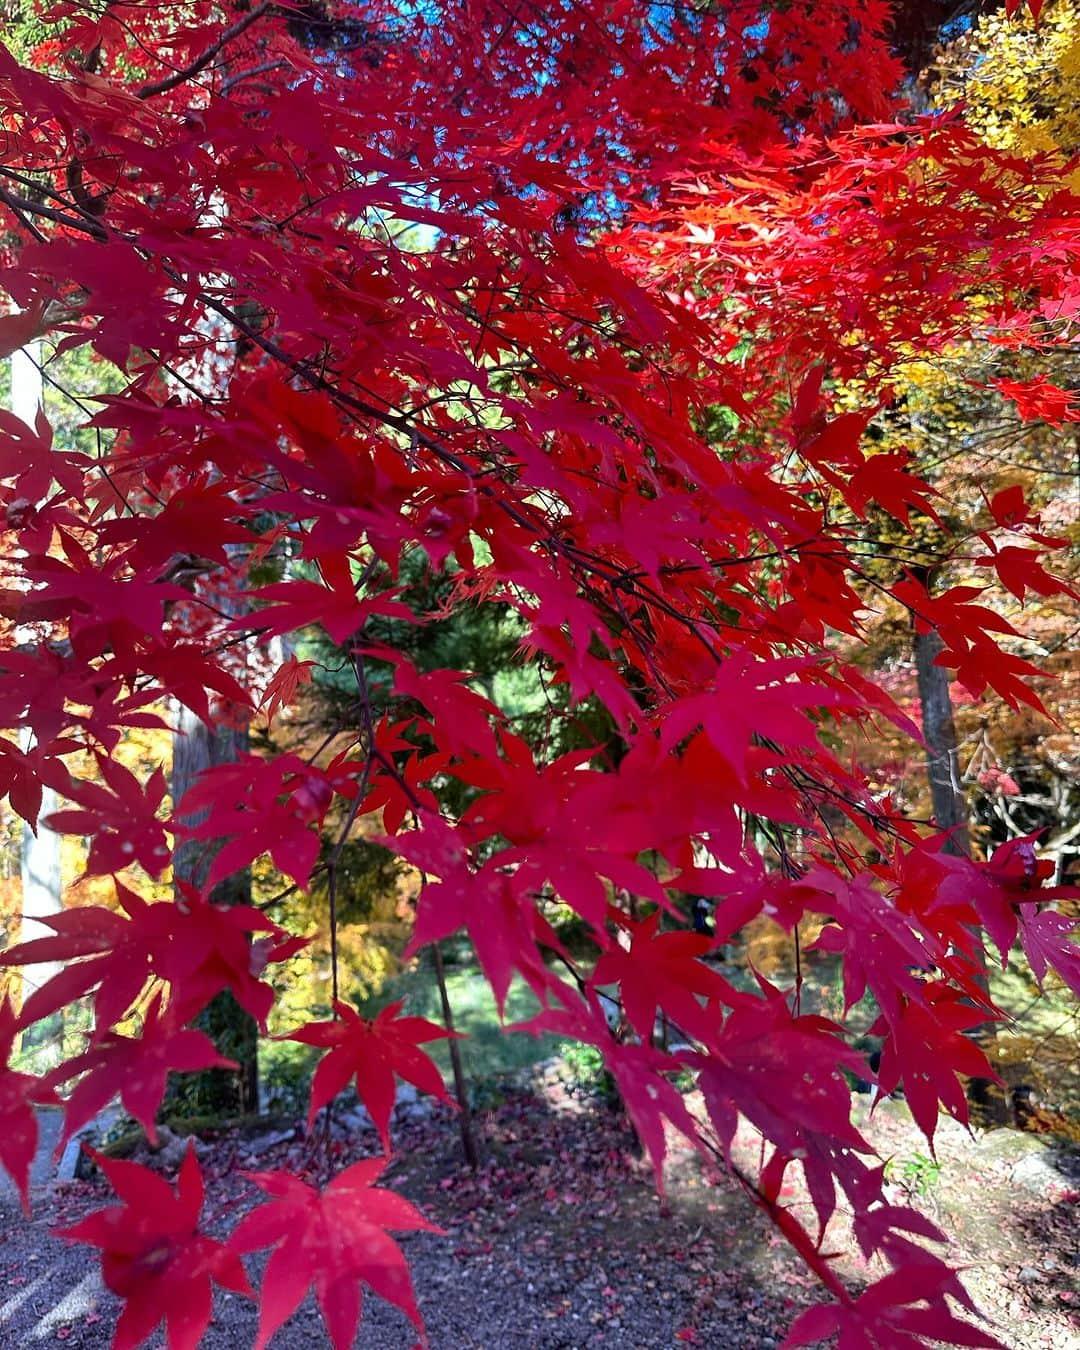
point(639, 223)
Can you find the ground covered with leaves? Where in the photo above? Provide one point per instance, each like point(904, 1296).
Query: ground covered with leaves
point(560, 1240)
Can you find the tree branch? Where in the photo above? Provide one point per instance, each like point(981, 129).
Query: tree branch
point(201, 62)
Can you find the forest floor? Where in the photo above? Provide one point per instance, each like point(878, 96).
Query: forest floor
point(559, 1240)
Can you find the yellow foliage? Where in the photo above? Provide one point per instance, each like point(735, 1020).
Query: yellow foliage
point(1049, 1064)
point(1019, 80)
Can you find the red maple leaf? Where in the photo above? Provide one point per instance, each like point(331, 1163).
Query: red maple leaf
point(661, 970)
point(1019, 570)
point(1049, 940)
point(746, 1072)
point(336, 605)
point(1038, 399)
point(333, 1240)
point(640, 1071)
point(885, 478)
point(154, 1256)
point(281, 691)
point(27, 454)
point(196, 515)
point(136, 1067)
point(925, 1048)
point(195, 945)
point(462, 716)
point(18, 1120)
point(17, 329)
point(502, 925)
point(119, 818)
point(258, 806)
point(372, 1051)
point(887, 1315)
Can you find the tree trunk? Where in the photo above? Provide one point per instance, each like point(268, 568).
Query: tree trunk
point(215, 1091)
point(939, 732)
point(950, 813)
point(461, 1090)
point(42, 897)
point(42, 892)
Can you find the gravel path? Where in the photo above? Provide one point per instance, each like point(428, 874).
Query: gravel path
point(42, 1169)
point(560, 1243)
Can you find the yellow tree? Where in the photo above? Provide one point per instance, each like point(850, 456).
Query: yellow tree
point(1019, 79)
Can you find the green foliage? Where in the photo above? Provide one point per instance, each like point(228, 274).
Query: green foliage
point(48, 1043)
point(918, 1175)
point(488, 1051)
point(589, 1075)
point(71, 381)
point(285, 1070)
point(224, 1092)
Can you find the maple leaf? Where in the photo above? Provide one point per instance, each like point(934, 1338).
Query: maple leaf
point(154, 1256)
point(196, 514)
point(1020, 570)
point(185, 671)
point(335, 606)
point(16, 330)
point(1010, 509)
point(879, 944)
point(925, 1048)
point(333, 1241)
point(887, 1314)
point(1038, 399)
point(282, 689)
point(781, 1073)
point(103, 606)
point(502, 925)
point(103, 950)
point(19, 1092)
point(120, 820)
point(372, 1051)
point(198, 947)
point(747, 697)
point(747, 1067)
point(1016, 866)
point(136, 1067)
point(23, 776)
point(887, 480)
point(651, 1098)
point(1004, 888)
point(258, 806)
point(463, 717)
point(1034, 7)
point(997, 780)
point(1049, 941)
point(640, 1071)
point(661, 970)
point(27, 455)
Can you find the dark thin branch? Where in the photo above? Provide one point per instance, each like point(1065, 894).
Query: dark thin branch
point(262, 69)
point(201, 62)
point(23, 207)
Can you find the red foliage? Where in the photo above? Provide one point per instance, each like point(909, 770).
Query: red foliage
point(18, 1094)
point(585, 230)
point(331, 1241)
point(372, 1052)
point(154, 1255)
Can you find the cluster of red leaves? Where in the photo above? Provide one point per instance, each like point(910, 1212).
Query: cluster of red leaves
point(615, 201)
